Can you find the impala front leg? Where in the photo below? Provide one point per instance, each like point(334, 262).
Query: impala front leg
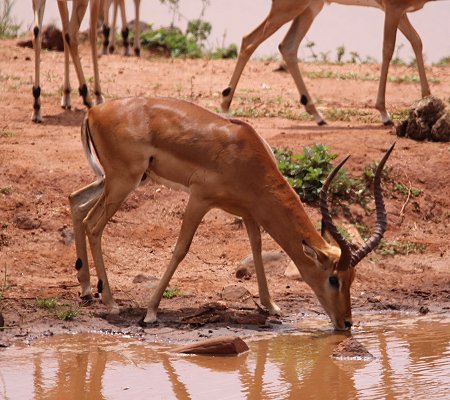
point(38, 9)
point(254, 235)
point(95, 9)
point(195, 210)
point(72, 28)
point(137, 29)
point(66, 101)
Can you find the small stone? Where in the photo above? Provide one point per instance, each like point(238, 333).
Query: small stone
point(235, 293)
point(26, 222)
point(292, 272)
point(272, 260)
point(223, 345)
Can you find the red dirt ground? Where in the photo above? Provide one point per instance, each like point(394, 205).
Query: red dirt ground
point(41, 164)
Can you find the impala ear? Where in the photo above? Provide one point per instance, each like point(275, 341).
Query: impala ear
point(316, 255)
point(327, 236)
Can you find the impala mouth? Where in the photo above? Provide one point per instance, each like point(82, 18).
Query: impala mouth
point(345, 325)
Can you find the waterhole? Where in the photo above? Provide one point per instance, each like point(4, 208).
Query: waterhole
point(411, 360)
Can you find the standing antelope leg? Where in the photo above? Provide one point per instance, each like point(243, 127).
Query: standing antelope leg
point(137, 29)
point(81, 203)
point(66, 101)
point(95, 9)
point(391, 22)
point(410, 33)
point(250, 43)
point(112, 33)
point(106, 28)
point(38, 10)
point(193, 214)
point(72, 27)
point(254, 235)
point(115, 192)
point(125, 31)
point(289, 49)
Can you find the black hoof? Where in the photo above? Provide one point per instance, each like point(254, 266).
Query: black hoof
point(322, 122)
point(388, 123)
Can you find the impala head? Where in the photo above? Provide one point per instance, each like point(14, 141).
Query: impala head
point(335, 271)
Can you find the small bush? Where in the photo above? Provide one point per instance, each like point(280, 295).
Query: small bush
point(8, 28)
point(174, 40)
point(48, 304)
point(170, 293)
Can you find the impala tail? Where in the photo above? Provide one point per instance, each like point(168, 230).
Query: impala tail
point(89, 150)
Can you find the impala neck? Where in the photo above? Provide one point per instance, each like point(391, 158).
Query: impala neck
point(289, 225)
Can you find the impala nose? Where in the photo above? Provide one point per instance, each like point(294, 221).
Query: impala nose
point(348, 324)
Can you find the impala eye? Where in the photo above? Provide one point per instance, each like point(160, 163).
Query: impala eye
point(334, 281)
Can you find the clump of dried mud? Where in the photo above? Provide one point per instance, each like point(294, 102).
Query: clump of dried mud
point(428, 120)
point(350, 348)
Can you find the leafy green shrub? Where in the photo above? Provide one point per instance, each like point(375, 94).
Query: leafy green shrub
point(170, 293)
point(174, 40)
point(398, 247)
point(307, 172)
point(8, 28)
point(224, 52)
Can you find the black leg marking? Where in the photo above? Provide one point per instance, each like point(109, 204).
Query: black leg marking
point(226, 92)
point(67, 37)
point(304, 100)
point(125, 33)
point(137, 51)
point(100, 286)
point(36, 95)
point(106, 31)
point(36, 31)
point(36, 92)
point(83, 91)
point(78, 264)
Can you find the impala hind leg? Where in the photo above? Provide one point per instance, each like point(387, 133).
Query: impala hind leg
point(254, 235)
point(416, 43)
point(115, 192)
point(391, 23)
point(81, 203)
point(195, 210)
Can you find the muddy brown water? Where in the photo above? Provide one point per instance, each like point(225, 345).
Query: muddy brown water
point(411, 360)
